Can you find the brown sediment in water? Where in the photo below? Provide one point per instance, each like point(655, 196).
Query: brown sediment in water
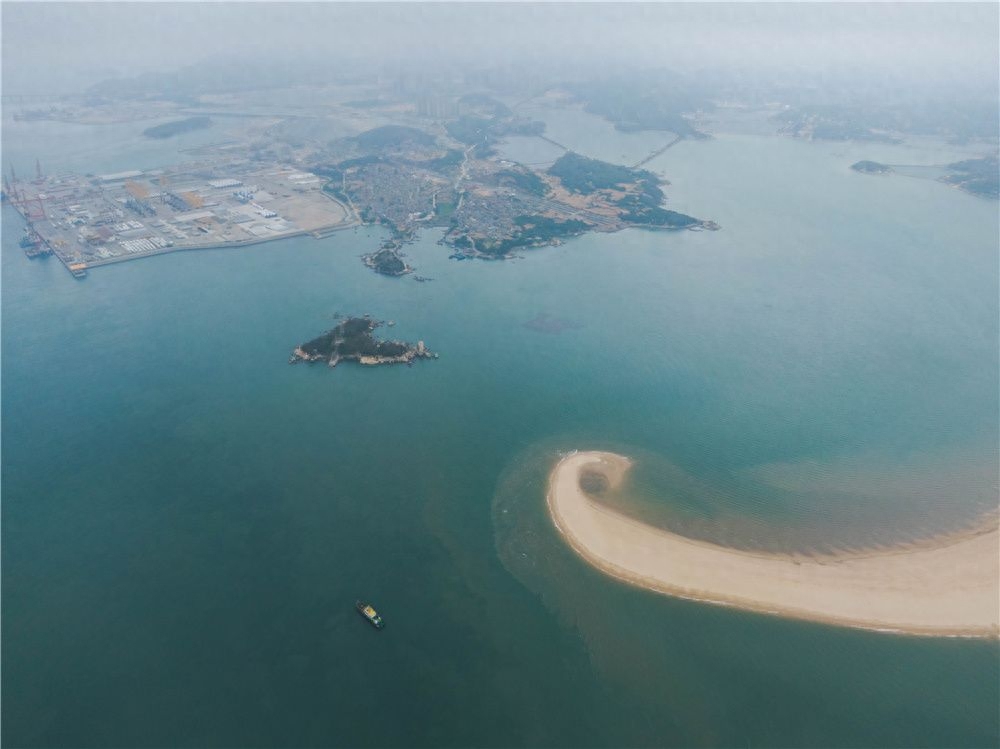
point(946, 586)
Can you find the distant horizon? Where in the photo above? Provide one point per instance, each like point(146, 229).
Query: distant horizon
point(62, 48)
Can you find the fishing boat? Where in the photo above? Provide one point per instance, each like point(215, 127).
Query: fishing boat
point(368, 612)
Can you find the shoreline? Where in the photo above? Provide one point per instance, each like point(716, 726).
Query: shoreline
point(945, 586)
point(320, 233)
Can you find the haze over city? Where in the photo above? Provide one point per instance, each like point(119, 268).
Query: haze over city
point(60, 47)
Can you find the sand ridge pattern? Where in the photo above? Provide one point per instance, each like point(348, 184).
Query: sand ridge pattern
point(948, 586)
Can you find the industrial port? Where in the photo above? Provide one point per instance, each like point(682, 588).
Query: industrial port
point(93, 220)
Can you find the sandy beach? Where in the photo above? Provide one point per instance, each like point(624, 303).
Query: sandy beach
point(947, 586)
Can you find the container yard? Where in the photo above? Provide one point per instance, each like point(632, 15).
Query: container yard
point(93, 220)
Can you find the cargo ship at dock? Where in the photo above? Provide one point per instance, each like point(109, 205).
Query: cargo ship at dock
point(33, 245)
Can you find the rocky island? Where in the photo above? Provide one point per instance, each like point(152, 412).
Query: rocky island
point(871, 167)
point(975, 176)
point(978, 177)
point(352, 340)
point(387, 261)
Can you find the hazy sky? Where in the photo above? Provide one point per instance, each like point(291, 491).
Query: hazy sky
point(65, 46)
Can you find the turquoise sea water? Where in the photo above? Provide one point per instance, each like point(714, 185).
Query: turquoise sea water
point(187, 520)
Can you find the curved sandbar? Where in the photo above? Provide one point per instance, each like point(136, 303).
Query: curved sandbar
point(949, 586)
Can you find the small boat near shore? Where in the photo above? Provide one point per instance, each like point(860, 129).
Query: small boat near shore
point(368, 612)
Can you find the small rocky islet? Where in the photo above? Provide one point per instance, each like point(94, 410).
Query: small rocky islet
point(387, 260)
point(871, 167)
point(353, 340)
